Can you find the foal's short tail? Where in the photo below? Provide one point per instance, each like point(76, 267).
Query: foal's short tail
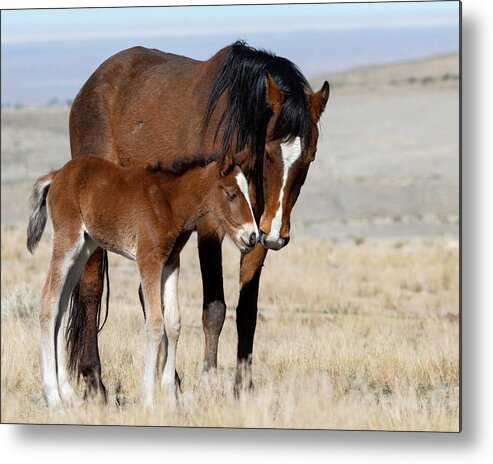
point(37, 210)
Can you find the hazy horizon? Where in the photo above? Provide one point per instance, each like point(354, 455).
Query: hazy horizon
point(47, 55)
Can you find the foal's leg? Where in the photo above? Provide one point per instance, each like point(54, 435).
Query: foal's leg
point(67, 392)
point(64, 257)
point(172, 323)
point(246, 315)
point(170, 295)
point(150, 271)
point(50, 303)
point(214, 307)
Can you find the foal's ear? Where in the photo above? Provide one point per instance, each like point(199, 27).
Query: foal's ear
point(228, 163)
point(318, 100)
point(241, 157)
point(273, 94)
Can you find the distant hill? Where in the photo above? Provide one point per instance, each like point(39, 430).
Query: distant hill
point(440, 72)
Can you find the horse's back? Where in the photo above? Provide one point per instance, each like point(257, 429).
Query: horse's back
point(123, 85)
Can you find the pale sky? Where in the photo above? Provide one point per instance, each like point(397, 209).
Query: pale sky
point(49, 53)
point(22, 26)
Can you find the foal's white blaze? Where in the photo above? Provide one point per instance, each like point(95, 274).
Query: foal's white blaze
point(291, 151)
point(248, 228)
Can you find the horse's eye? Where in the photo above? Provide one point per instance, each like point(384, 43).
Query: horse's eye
point(231, 195)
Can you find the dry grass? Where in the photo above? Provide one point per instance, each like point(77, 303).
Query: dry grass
point(349, 336)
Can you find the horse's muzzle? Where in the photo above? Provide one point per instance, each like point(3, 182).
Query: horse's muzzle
point(273, 244)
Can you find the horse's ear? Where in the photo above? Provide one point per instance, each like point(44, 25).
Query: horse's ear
point(228, 162)
point(273, 94)
point(318, 100)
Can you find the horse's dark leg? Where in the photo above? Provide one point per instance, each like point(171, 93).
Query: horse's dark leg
point(214, 307)
point(83, 328)
point(246, 315)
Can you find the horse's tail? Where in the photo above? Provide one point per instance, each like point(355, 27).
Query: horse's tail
point(37, 210)
point(75, 336)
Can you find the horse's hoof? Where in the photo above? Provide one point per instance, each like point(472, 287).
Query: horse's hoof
point(95, 389)
point(209, 380)
point(241, 388)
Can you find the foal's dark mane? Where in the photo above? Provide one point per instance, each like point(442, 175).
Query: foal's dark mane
point(180, 166)
point(243, 77)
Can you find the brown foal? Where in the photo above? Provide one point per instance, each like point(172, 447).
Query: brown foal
point(140, 214)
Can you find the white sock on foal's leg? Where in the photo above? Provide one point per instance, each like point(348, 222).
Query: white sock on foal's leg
point(172, 324)
point(49, 311)
point(49, 319)
point(65, 388)
point(82, 251)
point(65, 268)
point(151, 287)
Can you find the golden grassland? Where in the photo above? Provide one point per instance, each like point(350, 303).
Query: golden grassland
point(349, 336)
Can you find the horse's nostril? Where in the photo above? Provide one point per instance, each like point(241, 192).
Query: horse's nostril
point(285, 240)
point(253, 238)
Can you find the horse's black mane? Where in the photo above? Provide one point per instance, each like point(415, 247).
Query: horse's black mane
point(243, 77)
point(180, 166)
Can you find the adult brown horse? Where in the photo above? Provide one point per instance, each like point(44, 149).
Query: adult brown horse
point(143, 106)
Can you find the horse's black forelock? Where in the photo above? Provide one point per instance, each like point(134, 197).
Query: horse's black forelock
point(294, 120)
point(243, 77)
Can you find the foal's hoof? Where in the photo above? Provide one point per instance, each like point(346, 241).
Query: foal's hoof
point(74, 402)
point(69, 397)
point(170, 385)
point(148, 404)
point(53, 400)
point(171, 390)
point(172, 394)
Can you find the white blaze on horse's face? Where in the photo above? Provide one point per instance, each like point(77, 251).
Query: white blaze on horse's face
point(290, 152)
point(248, 232)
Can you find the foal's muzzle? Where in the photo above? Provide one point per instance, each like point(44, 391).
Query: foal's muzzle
point(249, 239)
point(253, 239)
point(273, 244)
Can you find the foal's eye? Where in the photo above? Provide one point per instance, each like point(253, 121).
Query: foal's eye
point(268, 156)
point(231, 195)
